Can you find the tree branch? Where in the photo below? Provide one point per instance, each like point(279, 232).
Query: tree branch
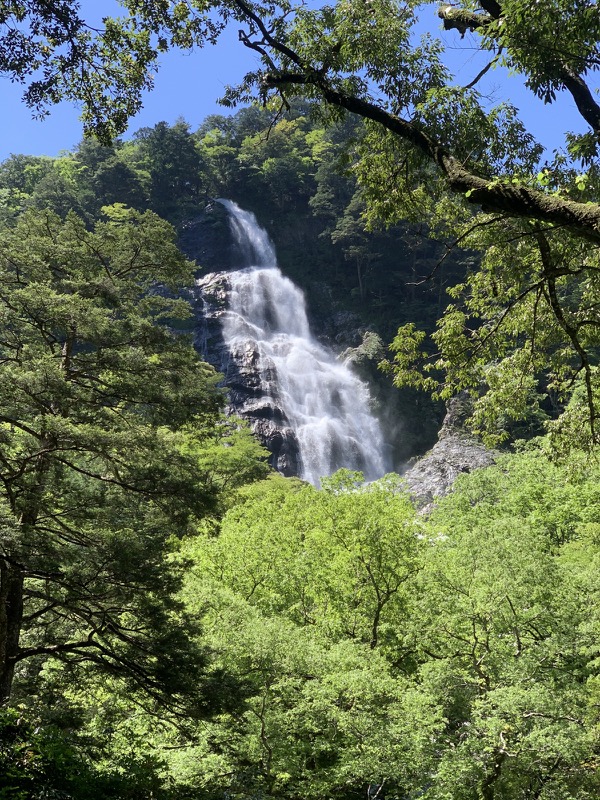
point(583, 97)
point(55, 649)
point(493, 196)
point(484, 71)
point(493, 8)
point(570, 330)
point(462, 20)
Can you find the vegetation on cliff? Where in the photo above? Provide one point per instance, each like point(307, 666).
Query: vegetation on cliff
point(176, 624)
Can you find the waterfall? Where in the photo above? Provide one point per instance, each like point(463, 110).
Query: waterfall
point(325, 404)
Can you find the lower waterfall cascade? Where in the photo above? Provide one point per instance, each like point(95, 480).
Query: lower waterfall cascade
point(318, 398)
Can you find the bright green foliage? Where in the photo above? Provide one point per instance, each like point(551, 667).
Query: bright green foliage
point(506, 631)
point(556, 502)
point(302, 594)
point(337, 559)
point(483, 681)
point(325, 717)
point(483, 684)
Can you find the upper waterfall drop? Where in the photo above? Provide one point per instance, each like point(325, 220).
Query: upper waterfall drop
point(324, 403)
point(253, 241)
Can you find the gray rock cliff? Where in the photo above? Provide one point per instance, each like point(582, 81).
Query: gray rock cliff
point(456, 451)
point(252, 396)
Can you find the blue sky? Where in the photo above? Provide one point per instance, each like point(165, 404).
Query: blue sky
point(189, 85)
point(186, 85)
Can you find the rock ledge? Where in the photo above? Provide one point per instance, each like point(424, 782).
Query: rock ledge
point(455, 452)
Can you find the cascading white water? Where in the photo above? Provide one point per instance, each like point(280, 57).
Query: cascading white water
point(326, 405)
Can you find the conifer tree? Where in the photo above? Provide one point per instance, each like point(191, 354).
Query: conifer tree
point(101, 404)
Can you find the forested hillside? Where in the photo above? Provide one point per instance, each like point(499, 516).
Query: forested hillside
point(296, 175)
point(178, 621)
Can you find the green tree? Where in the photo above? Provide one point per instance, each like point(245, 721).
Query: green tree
point(339, 559)
point(174, 164)
point(60, 189)
point(357, 245)
point(505, 637)
point(103, 414)
point(109, 177)
point(324, 718)
point(299, 594)
point(19, 175)
point(483, 682)
point(280, 164)
point(105, 65)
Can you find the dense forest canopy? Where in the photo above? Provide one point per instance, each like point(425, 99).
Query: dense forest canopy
point(175, 621)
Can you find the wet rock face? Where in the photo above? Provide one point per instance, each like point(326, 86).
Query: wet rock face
point(280, 441)
point(205, 239)
point(455, 452)
point(252, 396)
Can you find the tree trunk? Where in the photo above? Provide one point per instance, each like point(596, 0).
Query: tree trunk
point(359, 274)
point(12, 576)
point(11, 614)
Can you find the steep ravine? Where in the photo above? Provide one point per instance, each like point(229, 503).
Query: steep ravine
point(308, 407)
point(404, 414)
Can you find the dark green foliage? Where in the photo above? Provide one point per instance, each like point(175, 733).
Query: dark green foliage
point(110, 427)
point(57, 54)
point(107, 176)
point(168, 154)
point(293, 176)
point(37, 763)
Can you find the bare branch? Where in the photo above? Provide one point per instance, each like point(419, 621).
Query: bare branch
point(485, 70)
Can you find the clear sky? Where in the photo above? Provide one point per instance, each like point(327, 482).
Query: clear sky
point(186, 85)
point(189, 85)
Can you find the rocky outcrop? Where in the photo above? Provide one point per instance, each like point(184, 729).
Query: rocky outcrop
point(456, 451)
point(253, 393)
point(206, 239)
